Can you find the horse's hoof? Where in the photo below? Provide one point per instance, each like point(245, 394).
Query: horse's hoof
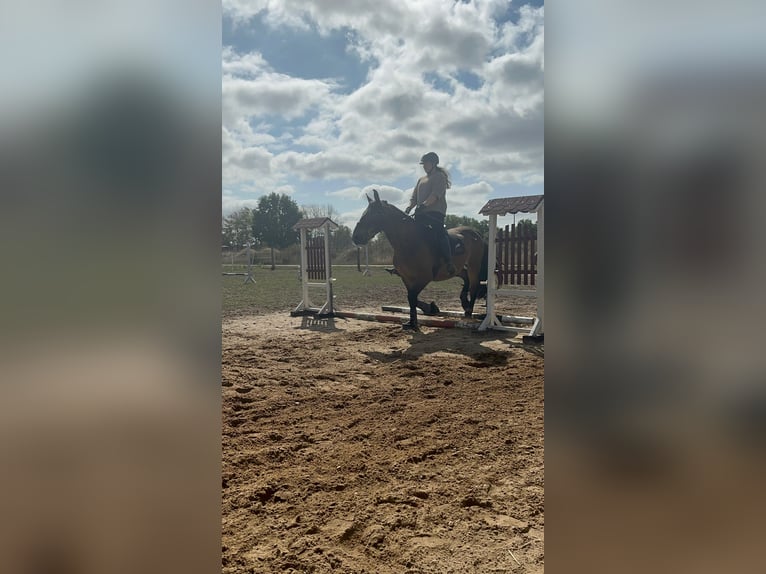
point(409, 327)
point(434, 308)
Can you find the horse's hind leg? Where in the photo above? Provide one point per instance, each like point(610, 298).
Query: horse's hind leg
point(464, 301)
point(471, 286)
point(428, 308)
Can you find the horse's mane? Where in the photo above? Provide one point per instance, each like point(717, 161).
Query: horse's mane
point(394, 210)
point(390, 206)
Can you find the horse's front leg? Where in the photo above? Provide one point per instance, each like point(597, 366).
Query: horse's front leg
point(412, 299)
point(470, 303)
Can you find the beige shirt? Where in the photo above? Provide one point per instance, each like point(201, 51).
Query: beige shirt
point(434, 183)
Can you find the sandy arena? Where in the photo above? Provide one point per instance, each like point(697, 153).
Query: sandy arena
point(356, 447)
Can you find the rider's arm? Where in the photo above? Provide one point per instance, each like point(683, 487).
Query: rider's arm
point(413, 200)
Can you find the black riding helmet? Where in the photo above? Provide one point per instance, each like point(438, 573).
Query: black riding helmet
point(430, 157)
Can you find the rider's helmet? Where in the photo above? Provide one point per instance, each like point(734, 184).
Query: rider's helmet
point(430, 157)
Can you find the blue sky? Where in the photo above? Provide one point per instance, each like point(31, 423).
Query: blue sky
point(325, 100)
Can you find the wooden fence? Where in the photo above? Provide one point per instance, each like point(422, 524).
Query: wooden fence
point(516, 255)
point(315, 258)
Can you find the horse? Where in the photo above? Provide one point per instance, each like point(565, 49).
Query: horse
point(416, 260)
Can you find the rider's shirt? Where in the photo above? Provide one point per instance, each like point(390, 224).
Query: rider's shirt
point(434, 183)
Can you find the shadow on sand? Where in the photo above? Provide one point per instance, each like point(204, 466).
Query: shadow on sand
point(471, 344)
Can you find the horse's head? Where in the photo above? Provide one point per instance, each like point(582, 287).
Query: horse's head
point(371, 222)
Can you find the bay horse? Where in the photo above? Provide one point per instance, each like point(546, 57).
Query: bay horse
point(415, 259)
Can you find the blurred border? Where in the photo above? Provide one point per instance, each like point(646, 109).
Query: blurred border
point(656, 404)
point(110, 163)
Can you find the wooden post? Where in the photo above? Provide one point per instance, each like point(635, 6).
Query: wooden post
point(328, 308)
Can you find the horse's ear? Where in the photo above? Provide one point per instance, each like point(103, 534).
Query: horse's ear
point(375, 193)
point(368, 198)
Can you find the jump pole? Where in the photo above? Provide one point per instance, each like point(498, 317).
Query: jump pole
point(443, 323)
point(502, 318)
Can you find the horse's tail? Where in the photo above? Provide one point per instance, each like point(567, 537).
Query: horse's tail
point(483, 271)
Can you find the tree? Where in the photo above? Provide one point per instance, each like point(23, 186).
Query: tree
point(237, 228)
point(273, 222)
point(380, 250)
point(341, 239)
point(524, 228)
point(527, 226)
point(312, 211)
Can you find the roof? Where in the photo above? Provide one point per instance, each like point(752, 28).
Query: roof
point(505, 205)
point(315, 223)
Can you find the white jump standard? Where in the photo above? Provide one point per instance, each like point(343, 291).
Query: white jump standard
point(249, 274)
point(497, 287)
point(315, 265)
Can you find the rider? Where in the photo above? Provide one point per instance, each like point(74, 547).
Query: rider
point(429, 196)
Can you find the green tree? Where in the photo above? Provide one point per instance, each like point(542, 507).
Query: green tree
point(237, 228)
point(526, 225)
point(273, 222)
point(380, 250)
point(341, 239)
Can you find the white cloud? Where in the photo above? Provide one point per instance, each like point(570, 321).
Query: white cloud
point(230, 204)
point(284, 189)
point(347, 193)
point(249, 65)
point(492, 133)
point(251, 89)
point(272, 94)
point(242, 10)
point(469, 198)
point(244, 164)
point(350, 218)
point(531, 22)
point(388, 193)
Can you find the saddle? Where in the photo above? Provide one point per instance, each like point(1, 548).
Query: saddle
point(430, 234)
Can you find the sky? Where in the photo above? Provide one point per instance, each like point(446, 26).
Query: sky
point(325, 100)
